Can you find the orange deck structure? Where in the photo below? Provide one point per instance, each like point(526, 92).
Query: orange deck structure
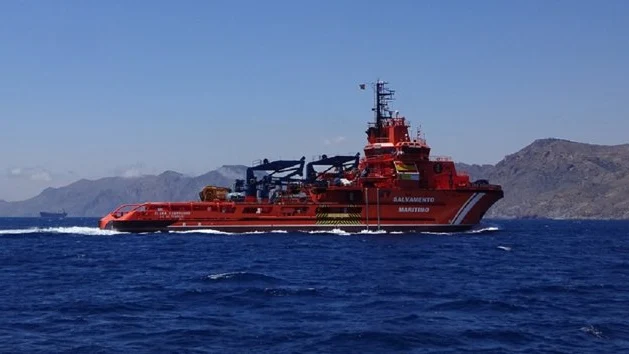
point(395, 186)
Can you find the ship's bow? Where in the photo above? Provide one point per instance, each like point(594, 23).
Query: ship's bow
point(479, 203)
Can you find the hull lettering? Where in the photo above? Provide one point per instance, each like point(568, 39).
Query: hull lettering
point(413, 199)
point(414, 210)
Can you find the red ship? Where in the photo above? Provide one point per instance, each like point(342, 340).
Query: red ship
point(396, 186)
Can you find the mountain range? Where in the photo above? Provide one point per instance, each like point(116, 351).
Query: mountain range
point(550, 178)
point(98, 197)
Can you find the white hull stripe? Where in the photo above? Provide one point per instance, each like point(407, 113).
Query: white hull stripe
point(463, 207)
point(467, 207)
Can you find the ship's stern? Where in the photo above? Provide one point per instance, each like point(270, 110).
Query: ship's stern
point(134, 221)
point(106, 222)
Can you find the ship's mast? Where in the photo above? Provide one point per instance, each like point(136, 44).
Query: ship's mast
point(383, 96)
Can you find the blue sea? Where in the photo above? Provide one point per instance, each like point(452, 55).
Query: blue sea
point(529, 286)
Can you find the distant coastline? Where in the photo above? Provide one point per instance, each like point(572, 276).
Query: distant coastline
point(550, 179)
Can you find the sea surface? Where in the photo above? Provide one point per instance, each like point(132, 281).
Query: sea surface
point(530, 286)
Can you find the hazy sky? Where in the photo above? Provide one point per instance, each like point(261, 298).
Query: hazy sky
point(100, 88)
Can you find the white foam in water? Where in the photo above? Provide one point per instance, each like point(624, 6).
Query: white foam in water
point(224, 275)
point(381, 232)
point(485, 229)
point(19, 231)
point(372, 232)
point(77, 230)
point(438, 233)
point(474, 231)
point(340, 232)
point(333, 231)
point(94, 231)
point(203, 231)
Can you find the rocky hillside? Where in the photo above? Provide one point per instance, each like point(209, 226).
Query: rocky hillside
point(553, 178)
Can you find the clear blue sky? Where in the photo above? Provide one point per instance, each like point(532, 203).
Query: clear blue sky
point(92, 89)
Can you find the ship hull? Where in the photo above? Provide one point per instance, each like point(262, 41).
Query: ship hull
point(436, 211)
point(152, 227)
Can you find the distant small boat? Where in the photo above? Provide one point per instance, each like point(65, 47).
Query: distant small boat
point(56, 215)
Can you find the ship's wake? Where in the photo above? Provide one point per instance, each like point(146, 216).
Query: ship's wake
point(75, 230)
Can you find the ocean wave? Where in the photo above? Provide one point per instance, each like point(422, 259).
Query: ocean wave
point(75, 230)
point(242, 276)
point(286, 291)
point(384, 341)
point(482, 230)
point(475, 305)
point(311, 293)
point(561, 288)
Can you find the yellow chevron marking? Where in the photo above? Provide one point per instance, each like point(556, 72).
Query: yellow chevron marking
point(338, 218)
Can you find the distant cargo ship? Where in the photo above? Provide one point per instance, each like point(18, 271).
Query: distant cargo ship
point(56, 215)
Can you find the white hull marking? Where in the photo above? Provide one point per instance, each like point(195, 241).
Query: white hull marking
point(467, 207)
